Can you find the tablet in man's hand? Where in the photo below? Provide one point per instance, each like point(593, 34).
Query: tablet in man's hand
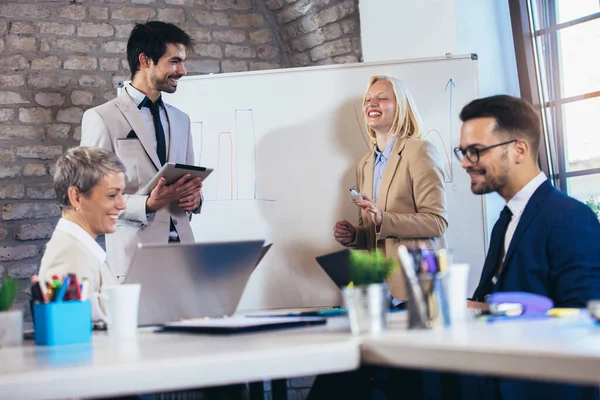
point(172, 172)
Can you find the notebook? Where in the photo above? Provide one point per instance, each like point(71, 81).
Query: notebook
point(238, 324)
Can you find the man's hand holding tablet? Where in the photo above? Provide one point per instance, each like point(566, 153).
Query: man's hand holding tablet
point(175, 182)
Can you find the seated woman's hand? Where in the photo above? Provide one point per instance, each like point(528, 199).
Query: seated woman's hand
point(344, 232)
point(371, 210)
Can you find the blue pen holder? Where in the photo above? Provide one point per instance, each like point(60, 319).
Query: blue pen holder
point(63, 322)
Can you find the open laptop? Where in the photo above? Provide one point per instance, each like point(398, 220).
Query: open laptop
point(192, 280)
point(337, 266)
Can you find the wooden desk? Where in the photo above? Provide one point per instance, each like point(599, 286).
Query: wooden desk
point(165, 362)
point(566, 350)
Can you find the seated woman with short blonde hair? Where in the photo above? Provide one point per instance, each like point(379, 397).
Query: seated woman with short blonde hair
point(89, 184)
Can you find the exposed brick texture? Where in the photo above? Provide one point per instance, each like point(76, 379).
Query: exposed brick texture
point(316, 32)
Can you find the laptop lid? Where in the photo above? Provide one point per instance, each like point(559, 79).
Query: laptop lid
point(337, 266)
point(263, 253)
point(191, 280)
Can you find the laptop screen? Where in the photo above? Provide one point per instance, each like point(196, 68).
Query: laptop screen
point(194, 280)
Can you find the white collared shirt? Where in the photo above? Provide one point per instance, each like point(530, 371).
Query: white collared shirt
point(517, 205)
point(137, 98)
point(85, 238)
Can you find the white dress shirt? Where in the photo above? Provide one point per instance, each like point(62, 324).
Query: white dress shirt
point(517, 205)
point(85, 238)
point(137, 98)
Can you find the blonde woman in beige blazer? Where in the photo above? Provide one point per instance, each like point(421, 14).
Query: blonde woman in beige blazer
point(89, 184)
point(400, 179)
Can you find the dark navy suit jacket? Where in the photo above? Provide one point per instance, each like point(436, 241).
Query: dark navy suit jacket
point(555, 252)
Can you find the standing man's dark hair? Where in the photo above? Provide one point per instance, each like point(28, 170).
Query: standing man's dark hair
point(515, 118)
point(151, 39)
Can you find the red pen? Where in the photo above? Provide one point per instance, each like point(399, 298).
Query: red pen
point(74, 291)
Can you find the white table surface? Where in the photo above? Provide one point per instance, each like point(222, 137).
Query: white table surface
point(566, 349)
point(162, 362)
point(557, 350)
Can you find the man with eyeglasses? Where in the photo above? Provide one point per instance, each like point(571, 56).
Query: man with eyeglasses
point(544, 242)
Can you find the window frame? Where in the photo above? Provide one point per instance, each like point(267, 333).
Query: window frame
point(529, 74)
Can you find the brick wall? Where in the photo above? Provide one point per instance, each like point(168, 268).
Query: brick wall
point(61, 57)
point(317, 32)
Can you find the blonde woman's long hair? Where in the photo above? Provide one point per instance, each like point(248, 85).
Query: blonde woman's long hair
point(407, 121)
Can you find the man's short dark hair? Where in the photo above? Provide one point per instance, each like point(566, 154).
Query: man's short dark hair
point(151, 39)
point(515, 118)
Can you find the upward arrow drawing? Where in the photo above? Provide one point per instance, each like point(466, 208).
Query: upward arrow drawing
point(450, 84)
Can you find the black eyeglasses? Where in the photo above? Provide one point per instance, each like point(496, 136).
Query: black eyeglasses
point(472, 153)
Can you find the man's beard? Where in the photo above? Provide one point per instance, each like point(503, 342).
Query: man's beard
point(163, 84)
point(489, 185)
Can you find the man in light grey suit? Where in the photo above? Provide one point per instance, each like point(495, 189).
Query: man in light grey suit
point(145, 133)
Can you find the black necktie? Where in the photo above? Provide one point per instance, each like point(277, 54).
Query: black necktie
point(161, 146)
point(493, 260)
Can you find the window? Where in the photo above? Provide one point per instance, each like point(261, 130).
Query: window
point(557, 45)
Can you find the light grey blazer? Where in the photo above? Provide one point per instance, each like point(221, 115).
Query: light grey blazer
point(65, 254)
point(108, 126)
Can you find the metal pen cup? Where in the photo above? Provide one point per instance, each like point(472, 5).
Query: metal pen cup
point(428, 306)
point(367, 308)
point(427, 294)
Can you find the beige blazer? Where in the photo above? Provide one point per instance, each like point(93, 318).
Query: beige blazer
point(108, 126)
point(412, 198)
point(65, 254)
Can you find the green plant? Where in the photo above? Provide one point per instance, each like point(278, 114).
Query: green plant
point(594, 205)
point(8, 290)
point(367, 267)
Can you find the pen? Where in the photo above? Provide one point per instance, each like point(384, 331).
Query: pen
point(442, 260)
point(73, 293)
point(63, 289)
point(36, 293)
point(408, 266)
point(55, 285)
point(424, 267)
point(429, 257)
point(42, 289)
point(85, 287)
point(49, 291)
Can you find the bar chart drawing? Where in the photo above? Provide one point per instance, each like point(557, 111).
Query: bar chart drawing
point(245, 146)
point(229, 146)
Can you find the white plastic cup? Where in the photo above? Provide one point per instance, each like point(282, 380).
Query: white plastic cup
point(11, 328)
point(458, 279)
point(121, 304)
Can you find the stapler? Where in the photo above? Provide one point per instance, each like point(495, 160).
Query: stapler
point(529, 303)
point(519, 304)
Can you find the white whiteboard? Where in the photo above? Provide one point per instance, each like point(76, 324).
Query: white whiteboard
point(285, 144)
